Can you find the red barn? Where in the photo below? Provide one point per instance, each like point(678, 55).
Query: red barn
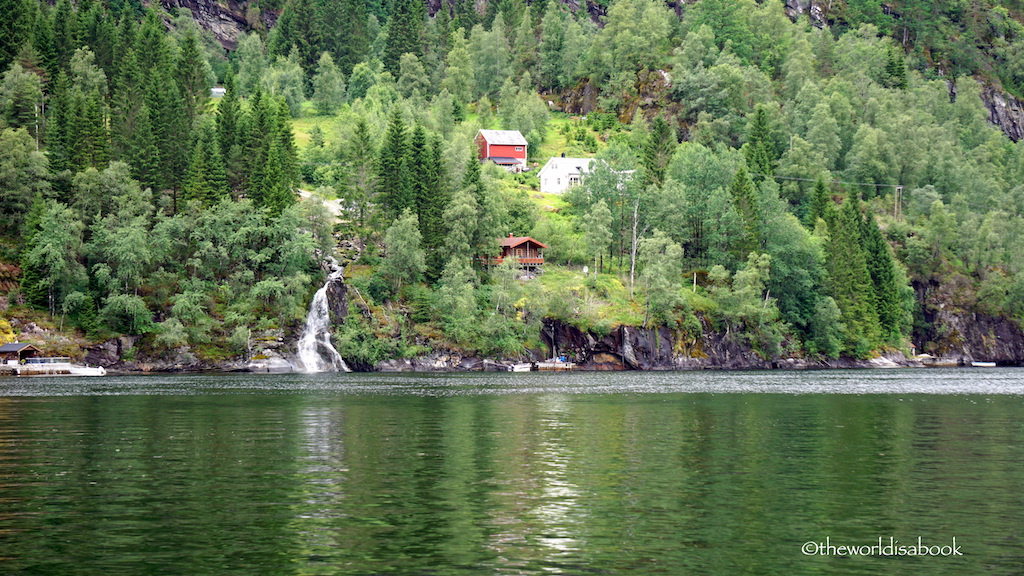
point(506, 148)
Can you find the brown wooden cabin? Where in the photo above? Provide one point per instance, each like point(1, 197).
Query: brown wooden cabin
point(528, 251)
point(18, 351)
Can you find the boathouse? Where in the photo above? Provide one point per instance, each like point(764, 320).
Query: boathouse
point(17, 351)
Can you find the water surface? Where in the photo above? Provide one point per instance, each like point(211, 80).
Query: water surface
point(625, 473)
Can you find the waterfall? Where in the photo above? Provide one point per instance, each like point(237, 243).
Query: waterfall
point(315, 351)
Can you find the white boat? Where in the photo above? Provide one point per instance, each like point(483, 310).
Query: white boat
point(520, 367)
point(559, 364)
point(79, 370)
point(983, 364)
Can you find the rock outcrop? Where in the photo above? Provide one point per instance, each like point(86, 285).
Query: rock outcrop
point(1004, 111)
point(227, 19)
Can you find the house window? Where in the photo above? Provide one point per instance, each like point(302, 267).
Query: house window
point(519, 148)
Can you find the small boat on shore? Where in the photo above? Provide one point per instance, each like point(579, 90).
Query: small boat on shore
point(520, 367)
point(559, 364)
point(983, 364)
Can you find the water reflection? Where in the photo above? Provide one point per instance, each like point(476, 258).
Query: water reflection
point(481, 475)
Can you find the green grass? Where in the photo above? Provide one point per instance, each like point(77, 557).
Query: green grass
point(564, 293)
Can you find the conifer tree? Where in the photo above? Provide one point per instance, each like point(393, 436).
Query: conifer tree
point(353, 34)
point(895, 75)
point(191, 78)
point(760, 147)
point(169, 127)
point(820, 205)
point(276, 193)
point(394, 183)
point(297, 28)
point(207, 179)
point(229, 131)
point(360, 154)
point(881, 267)
point(282, 126)
point(90, 140)
point(745, 199)
point(849, 280)
point(15, 29)
point(65, 33)
point(432, 218)
point(657, 152)
point(404, 30)
point(418, 161)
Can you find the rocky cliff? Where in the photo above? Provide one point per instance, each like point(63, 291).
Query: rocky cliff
point(227, 19)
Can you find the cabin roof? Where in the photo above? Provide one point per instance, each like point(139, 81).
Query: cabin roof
point(504, 137)
point(513, 241)
point(16, 347)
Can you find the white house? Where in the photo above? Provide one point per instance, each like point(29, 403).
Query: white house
point(561, 173)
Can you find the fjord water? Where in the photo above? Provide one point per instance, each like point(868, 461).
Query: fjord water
point(626, 473)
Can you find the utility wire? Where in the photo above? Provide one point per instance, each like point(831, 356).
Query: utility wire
point(828, 181)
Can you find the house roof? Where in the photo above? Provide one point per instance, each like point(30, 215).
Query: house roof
point(513, 241)
point(16, 347)
point(506, 137)
point(570, 165)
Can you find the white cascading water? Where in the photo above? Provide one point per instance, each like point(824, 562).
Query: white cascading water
point(315, 351)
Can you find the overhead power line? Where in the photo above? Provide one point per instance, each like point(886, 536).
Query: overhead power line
point(827, 181)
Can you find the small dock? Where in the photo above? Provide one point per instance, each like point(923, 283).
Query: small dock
point(37, 366)
point(52, 366)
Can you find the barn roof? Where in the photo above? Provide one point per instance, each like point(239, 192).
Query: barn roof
point(513, 241)
point(504, 137)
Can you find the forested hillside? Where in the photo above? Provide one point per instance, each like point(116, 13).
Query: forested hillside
point(818, 183)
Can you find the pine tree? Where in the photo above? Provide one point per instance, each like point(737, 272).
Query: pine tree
point(849, 280)
point(15, 29)
point(881, 267)
point(191, 78)
point(821, 204)
point(207, 179)
point(404, 31)
point(167, 111)
point(895, 74)
point(297, 28)
point(275, 194)
point(760, 147)
point(91, 141)
point(434, 227)
point(282, 126)
point(745, 199)
point(394, 183)
point(353, 34)
point(360, 154)
point(65, 38)
point(657, 152)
